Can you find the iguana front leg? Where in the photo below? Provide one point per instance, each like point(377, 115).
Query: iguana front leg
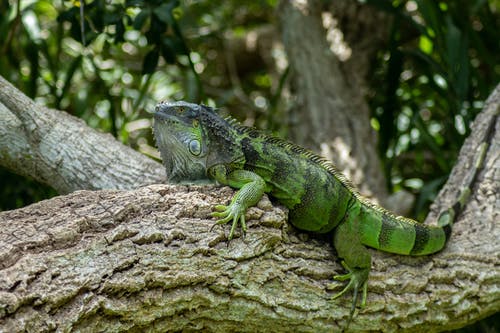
point(251, 186)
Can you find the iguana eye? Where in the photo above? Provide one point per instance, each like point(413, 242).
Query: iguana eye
point(195, 147)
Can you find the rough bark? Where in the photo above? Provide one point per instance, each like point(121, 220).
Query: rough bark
point(60, 150)
point(330, 112)
point(147, 260)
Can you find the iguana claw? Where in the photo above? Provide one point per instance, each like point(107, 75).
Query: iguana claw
point(358, 278)
point(227, 213)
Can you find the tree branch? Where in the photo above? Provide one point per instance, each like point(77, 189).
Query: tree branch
point(330, 111)
point(60, 150)
point(148, 260)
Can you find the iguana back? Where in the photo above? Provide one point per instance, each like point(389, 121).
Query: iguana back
point(320, 197)
point(298, 179)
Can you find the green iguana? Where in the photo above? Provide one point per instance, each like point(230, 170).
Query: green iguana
point(195, 142)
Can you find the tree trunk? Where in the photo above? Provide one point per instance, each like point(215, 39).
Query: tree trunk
point(147, 260)
point(329, 79)
point(58, 149)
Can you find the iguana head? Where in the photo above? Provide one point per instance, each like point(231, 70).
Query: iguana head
point(181, 140)
point(193, 139)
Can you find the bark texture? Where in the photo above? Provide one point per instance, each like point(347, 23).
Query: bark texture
point(60, 150)
point(147, 260)
point(330, 113)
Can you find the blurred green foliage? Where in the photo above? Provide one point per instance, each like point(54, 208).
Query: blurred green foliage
point(441, 63)
point(109, 62)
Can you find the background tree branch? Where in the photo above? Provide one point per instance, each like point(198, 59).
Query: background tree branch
point(147, 260)
point(60, 150)
point(331, 113)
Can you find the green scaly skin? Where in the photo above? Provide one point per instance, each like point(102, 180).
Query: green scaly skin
point(196, 143)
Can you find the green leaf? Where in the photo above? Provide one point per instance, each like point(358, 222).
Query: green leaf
point(476, 6)
point(140, 19)
point(433, 65)
point(430, 12)
point(425, 45)
point(150, 61)
point(120, 31)
point(134, 3)
point(164, 12)
point(428, 192)
point(75, 64)
point(168, 50)
point(431, 143)
point(457, 58)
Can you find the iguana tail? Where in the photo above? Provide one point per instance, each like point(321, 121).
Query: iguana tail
point(383, 230)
